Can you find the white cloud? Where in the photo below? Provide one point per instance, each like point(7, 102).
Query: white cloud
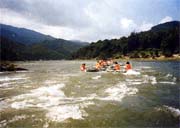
point(145, 26)
point(127, 23)
point(166, 19)
point(88, 20)
point(15, 19)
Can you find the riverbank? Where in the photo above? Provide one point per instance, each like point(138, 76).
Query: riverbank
point(175, 57)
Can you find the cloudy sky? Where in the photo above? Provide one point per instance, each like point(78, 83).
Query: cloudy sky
point(88, 20)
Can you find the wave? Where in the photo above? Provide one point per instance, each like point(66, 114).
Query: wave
point(4, 79)
point(169, 75)
point(143, 80)
point(119, 91)
point(132, 72)
point(166, 82)
point(40, 97)
point(146, 67)
point(96, 77)
point(149, 79)
point(3, 104)
point(174, 111)
point(13, 84)
point(63, 112)
point(52, 98)
point(59, 107)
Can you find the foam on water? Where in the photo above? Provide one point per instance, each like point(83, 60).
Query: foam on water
point(119, 91)
point(53, 100)
point(96, 77)
point(3, 79)
point(134, 81)
point(59, 107)
point(143, 80)
point(149, 79)
point(3, 104)
point(174, 79)
point(132, 72)
point(169, 75)
point(5, 85)
point(166, 82)
point(63, 112)
point(47, 82)
point(10, 85)
point(40, 97)
point(175, 112)
point(146, 67)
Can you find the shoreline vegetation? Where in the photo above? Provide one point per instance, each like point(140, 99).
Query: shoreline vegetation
point(174, 57)
point(160, 58)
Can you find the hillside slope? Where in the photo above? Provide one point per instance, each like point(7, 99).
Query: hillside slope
point(22, 35)
point(162, 39)
point(46, 50)
point(24, 44)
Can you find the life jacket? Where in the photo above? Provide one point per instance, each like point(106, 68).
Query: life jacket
point(128, 66)
point(105, 63)
point(98, 66)
point(83, 68)
point(101, 63)
point(117, 67)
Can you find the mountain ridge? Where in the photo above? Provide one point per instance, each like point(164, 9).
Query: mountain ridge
point(23, 35)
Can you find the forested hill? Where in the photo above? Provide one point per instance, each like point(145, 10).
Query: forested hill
point(24, 44)
point(22, 35)
point(162, 39)
point(46, 50)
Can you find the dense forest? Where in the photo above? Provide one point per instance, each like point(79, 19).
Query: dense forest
point(162, 39)
point(46, 50)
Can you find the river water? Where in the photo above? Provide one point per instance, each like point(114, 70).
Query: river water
point(55, 94)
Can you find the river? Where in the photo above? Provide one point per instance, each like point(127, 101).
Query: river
point(53, 94)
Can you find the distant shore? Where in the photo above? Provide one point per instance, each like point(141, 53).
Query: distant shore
point(175, 57)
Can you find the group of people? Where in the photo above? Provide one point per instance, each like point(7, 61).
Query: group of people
point(104, 64)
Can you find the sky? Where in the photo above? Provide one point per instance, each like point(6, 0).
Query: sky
point(88, 20)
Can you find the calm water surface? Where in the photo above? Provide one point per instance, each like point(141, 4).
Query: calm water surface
point(57, 94)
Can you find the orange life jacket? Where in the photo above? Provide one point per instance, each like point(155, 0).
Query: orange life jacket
point(105, 63)
point(128, 66)
point(98, 66)
point(117, 67)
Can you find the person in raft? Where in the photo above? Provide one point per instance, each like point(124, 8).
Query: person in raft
point(98, 65)
point(83, 67)
point(128, 66)
point(116, 66)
